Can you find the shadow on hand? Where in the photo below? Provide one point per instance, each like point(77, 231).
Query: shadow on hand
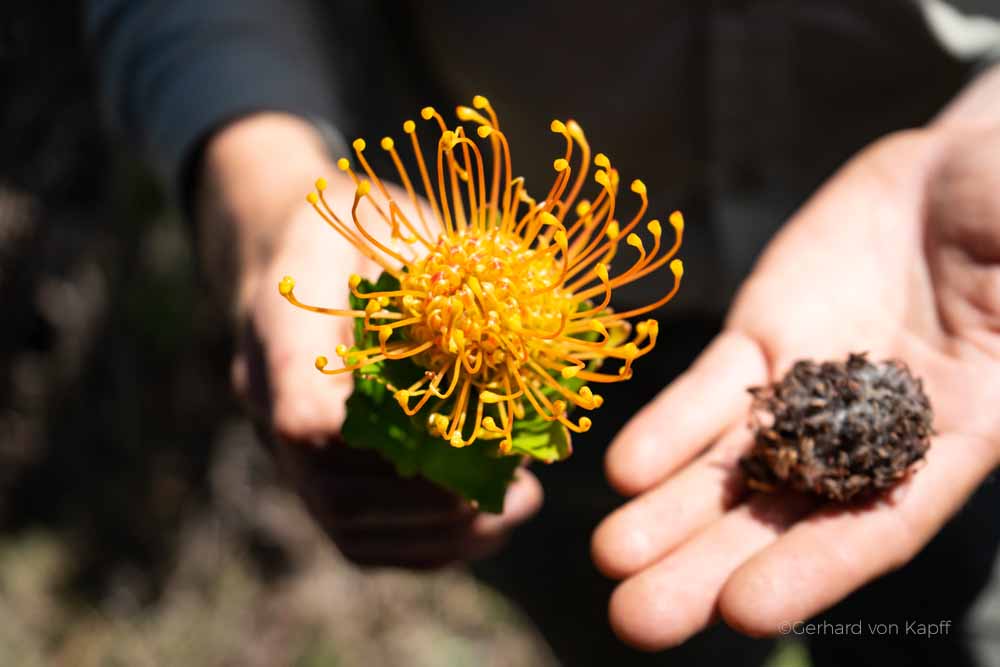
point(373, 515)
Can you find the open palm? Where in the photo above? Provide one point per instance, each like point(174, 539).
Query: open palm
point(898, 255)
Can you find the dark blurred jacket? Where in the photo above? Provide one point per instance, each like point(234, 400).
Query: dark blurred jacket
point(731, 109)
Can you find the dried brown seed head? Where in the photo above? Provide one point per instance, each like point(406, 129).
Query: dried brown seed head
point(838, 429)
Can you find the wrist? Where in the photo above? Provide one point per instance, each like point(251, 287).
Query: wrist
point(253, 177)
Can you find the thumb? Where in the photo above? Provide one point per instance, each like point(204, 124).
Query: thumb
point(278, 367)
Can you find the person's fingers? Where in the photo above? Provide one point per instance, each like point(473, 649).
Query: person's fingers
point(523, 500)
point(463, 537)
point(280, 343)
point(643, 530)
point(837, 550)
point(387, 551)
point(379, 503)
point(675, 598)
point(687, 415)
point(307, 406)
point(356, 489)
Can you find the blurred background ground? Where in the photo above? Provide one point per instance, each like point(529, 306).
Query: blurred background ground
point(140, 523)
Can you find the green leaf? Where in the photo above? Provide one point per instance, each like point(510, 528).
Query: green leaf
point(474, 472)
point(376, 422)
point(478, 472)
point(542, 440)
point(385, 283)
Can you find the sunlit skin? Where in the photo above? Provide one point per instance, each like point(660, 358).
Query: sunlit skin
point(899, 253)
point(500, 295)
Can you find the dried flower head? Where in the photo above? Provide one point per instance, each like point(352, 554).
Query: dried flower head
point(501, 300)
point(837, 429)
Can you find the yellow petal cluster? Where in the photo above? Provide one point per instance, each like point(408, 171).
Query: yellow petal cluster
point(502, 297)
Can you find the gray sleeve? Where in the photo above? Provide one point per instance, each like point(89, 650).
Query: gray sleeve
point(172, 71)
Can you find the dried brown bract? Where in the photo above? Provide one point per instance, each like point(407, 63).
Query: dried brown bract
point(839, 430)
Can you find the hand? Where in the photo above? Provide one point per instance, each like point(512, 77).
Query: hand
point(898, 255)
point(256, 175)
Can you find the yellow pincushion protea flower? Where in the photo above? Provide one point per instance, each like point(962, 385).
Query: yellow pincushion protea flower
point(501, 301)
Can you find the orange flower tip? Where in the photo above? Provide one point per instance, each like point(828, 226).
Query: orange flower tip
point(466, 113)
point(560, 165)
point(559, 406)
point(321, 184)
point(440, 422)
point(383, 334)
point(575, 131)
point(387, 143)
point(409, 127)
point(613, 230)
point(456, 440)
point(654, 327)
point(341, 350)
point(372, 307)
point(585, 393)
point(631, 350)
point(558, 127)
point(547, 218)
point(642, 328)
point(484, 131)
point(384, 301)
point(343, 164)
point(601, 177)
point(364, 187)
point(353, 281)
point(569, 372)
point(449, 139)
point(598, 327)
point(583, 208)
point(638, 187)
point(359, 145)
point(654, 228)
point(427, 113)
point(321, 362)
point(560, 238)
point(490, 424)
point(601, 160)
point(602, 271)
point(480, 102)
point(286, 285)
point(634, 241)
point(402, 396)
point(677, 220)
point(312, 198)
point(598, 400)
point(677, 267)
point(585, 424)
point(487, 396)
